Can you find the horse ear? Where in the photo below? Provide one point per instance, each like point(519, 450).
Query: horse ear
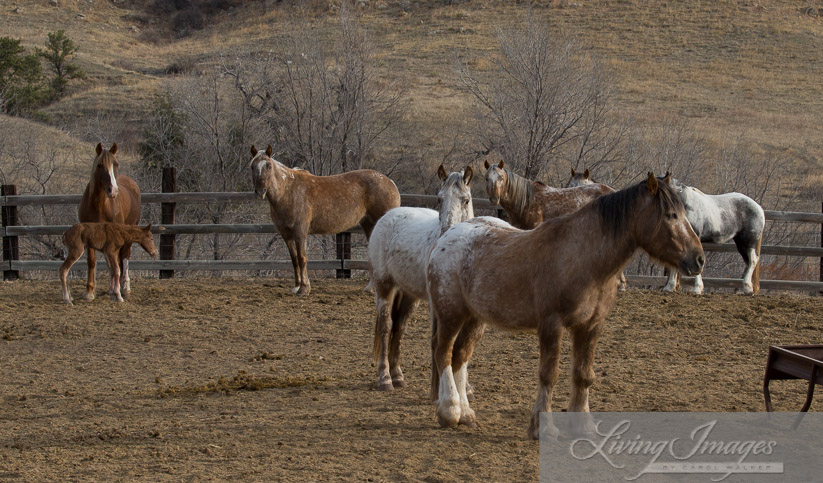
point(651, 183)
point(501, 164)
point(253, 150)
point(441, 173)
point(468, 174)
point(573, 172)
point(99, 148)
point(486, 164)
point(586, 173)
point(113, 149)
point(668, 178)
point(147, 228)
point(268, 151)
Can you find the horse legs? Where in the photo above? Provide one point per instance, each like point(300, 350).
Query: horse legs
point(584, 341)
point(385, 295)
point(402, 309)
point(125, 281)
point(297, 251)
point(622, 284)
point(462, 352)
point(749, 255)
point(448, 402)
point(698, 285)
point(72, 256)
point(672, 282)
point(91, 262)
point(114, 272)
point(551, 335)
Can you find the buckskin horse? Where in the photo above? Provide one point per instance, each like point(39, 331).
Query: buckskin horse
point(303, 204)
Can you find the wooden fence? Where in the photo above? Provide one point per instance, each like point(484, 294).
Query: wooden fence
point(12, 265)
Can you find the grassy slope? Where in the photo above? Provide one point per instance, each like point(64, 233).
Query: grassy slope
point(731, 67)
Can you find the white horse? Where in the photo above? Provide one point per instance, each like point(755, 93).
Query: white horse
point(718, 219)
point(398, 251)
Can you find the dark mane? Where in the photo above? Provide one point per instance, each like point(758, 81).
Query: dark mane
point(615, 209)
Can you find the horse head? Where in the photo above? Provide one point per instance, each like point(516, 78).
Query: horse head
point(455, 197)
point(262, 171)
point(496, 178)
point(663, 229)
point(147, 240)
point(104, 173)
point(579, 179)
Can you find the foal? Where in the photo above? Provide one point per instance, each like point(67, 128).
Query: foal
point(109, 238)
point(560, 276)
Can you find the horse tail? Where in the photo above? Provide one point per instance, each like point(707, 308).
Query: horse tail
point(435, 377)
point(756, 274)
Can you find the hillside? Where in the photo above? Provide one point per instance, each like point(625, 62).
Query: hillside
point(731, 68)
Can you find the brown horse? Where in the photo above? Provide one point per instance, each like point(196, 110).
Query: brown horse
point(560, 276)
point(529, 203)
point(303, 204)
point(109, 238)
point(113, 198)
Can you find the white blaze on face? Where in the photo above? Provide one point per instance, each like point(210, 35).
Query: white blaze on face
point(113, 179)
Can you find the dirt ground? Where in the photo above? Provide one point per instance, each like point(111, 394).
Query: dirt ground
point(204, 379)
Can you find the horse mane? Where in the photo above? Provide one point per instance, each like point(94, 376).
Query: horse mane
point(616, 208)
point(519, 190)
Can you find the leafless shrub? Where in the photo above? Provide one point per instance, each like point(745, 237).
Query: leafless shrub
point(326, 106)
point(546, 100)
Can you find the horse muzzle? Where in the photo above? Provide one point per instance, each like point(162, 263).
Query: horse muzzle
point(693, 265)
point(111, 193)
point(494, 200)
point(260, 192)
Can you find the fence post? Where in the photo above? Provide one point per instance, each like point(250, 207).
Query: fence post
point(167, 210)
point(343, 249)
point(11, 249)
point(821, 246)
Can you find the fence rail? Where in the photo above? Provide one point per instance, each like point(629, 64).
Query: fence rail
point(167, 265)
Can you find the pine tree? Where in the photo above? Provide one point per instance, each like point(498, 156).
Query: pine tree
point(59, 52)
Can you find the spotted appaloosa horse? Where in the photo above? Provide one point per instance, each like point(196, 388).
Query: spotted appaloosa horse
point(560, 276)
point(303, 204)
point(398, 251)
point(109, 238)
point(529, 203)
point(109, 197)
point(718, 219)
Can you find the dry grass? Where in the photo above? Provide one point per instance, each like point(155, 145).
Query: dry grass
point(731, 66)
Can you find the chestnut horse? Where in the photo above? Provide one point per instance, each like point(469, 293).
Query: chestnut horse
point(113, 198)
point(560, 276)
point(109, 238)
point(529, 203)
point(398, 251)
point(303, 204)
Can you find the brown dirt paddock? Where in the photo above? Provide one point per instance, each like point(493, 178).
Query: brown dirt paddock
point(198, 379)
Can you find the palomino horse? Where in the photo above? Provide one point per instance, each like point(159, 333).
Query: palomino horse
point(560, 276)
point(303, 204)
point(398, 251)
point(529, 203)
point(109, 238)
point(718, 219)
point(113, 198)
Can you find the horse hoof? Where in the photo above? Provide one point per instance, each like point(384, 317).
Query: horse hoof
point(303, 290)
point(469, 423)
point(449, 416)
point(385, 387)
point(398, 383)
point(88, 296)
point(470, 396)
point(68, 302)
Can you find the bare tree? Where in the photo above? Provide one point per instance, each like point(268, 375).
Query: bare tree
point(546, 99)
point(325, 104)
